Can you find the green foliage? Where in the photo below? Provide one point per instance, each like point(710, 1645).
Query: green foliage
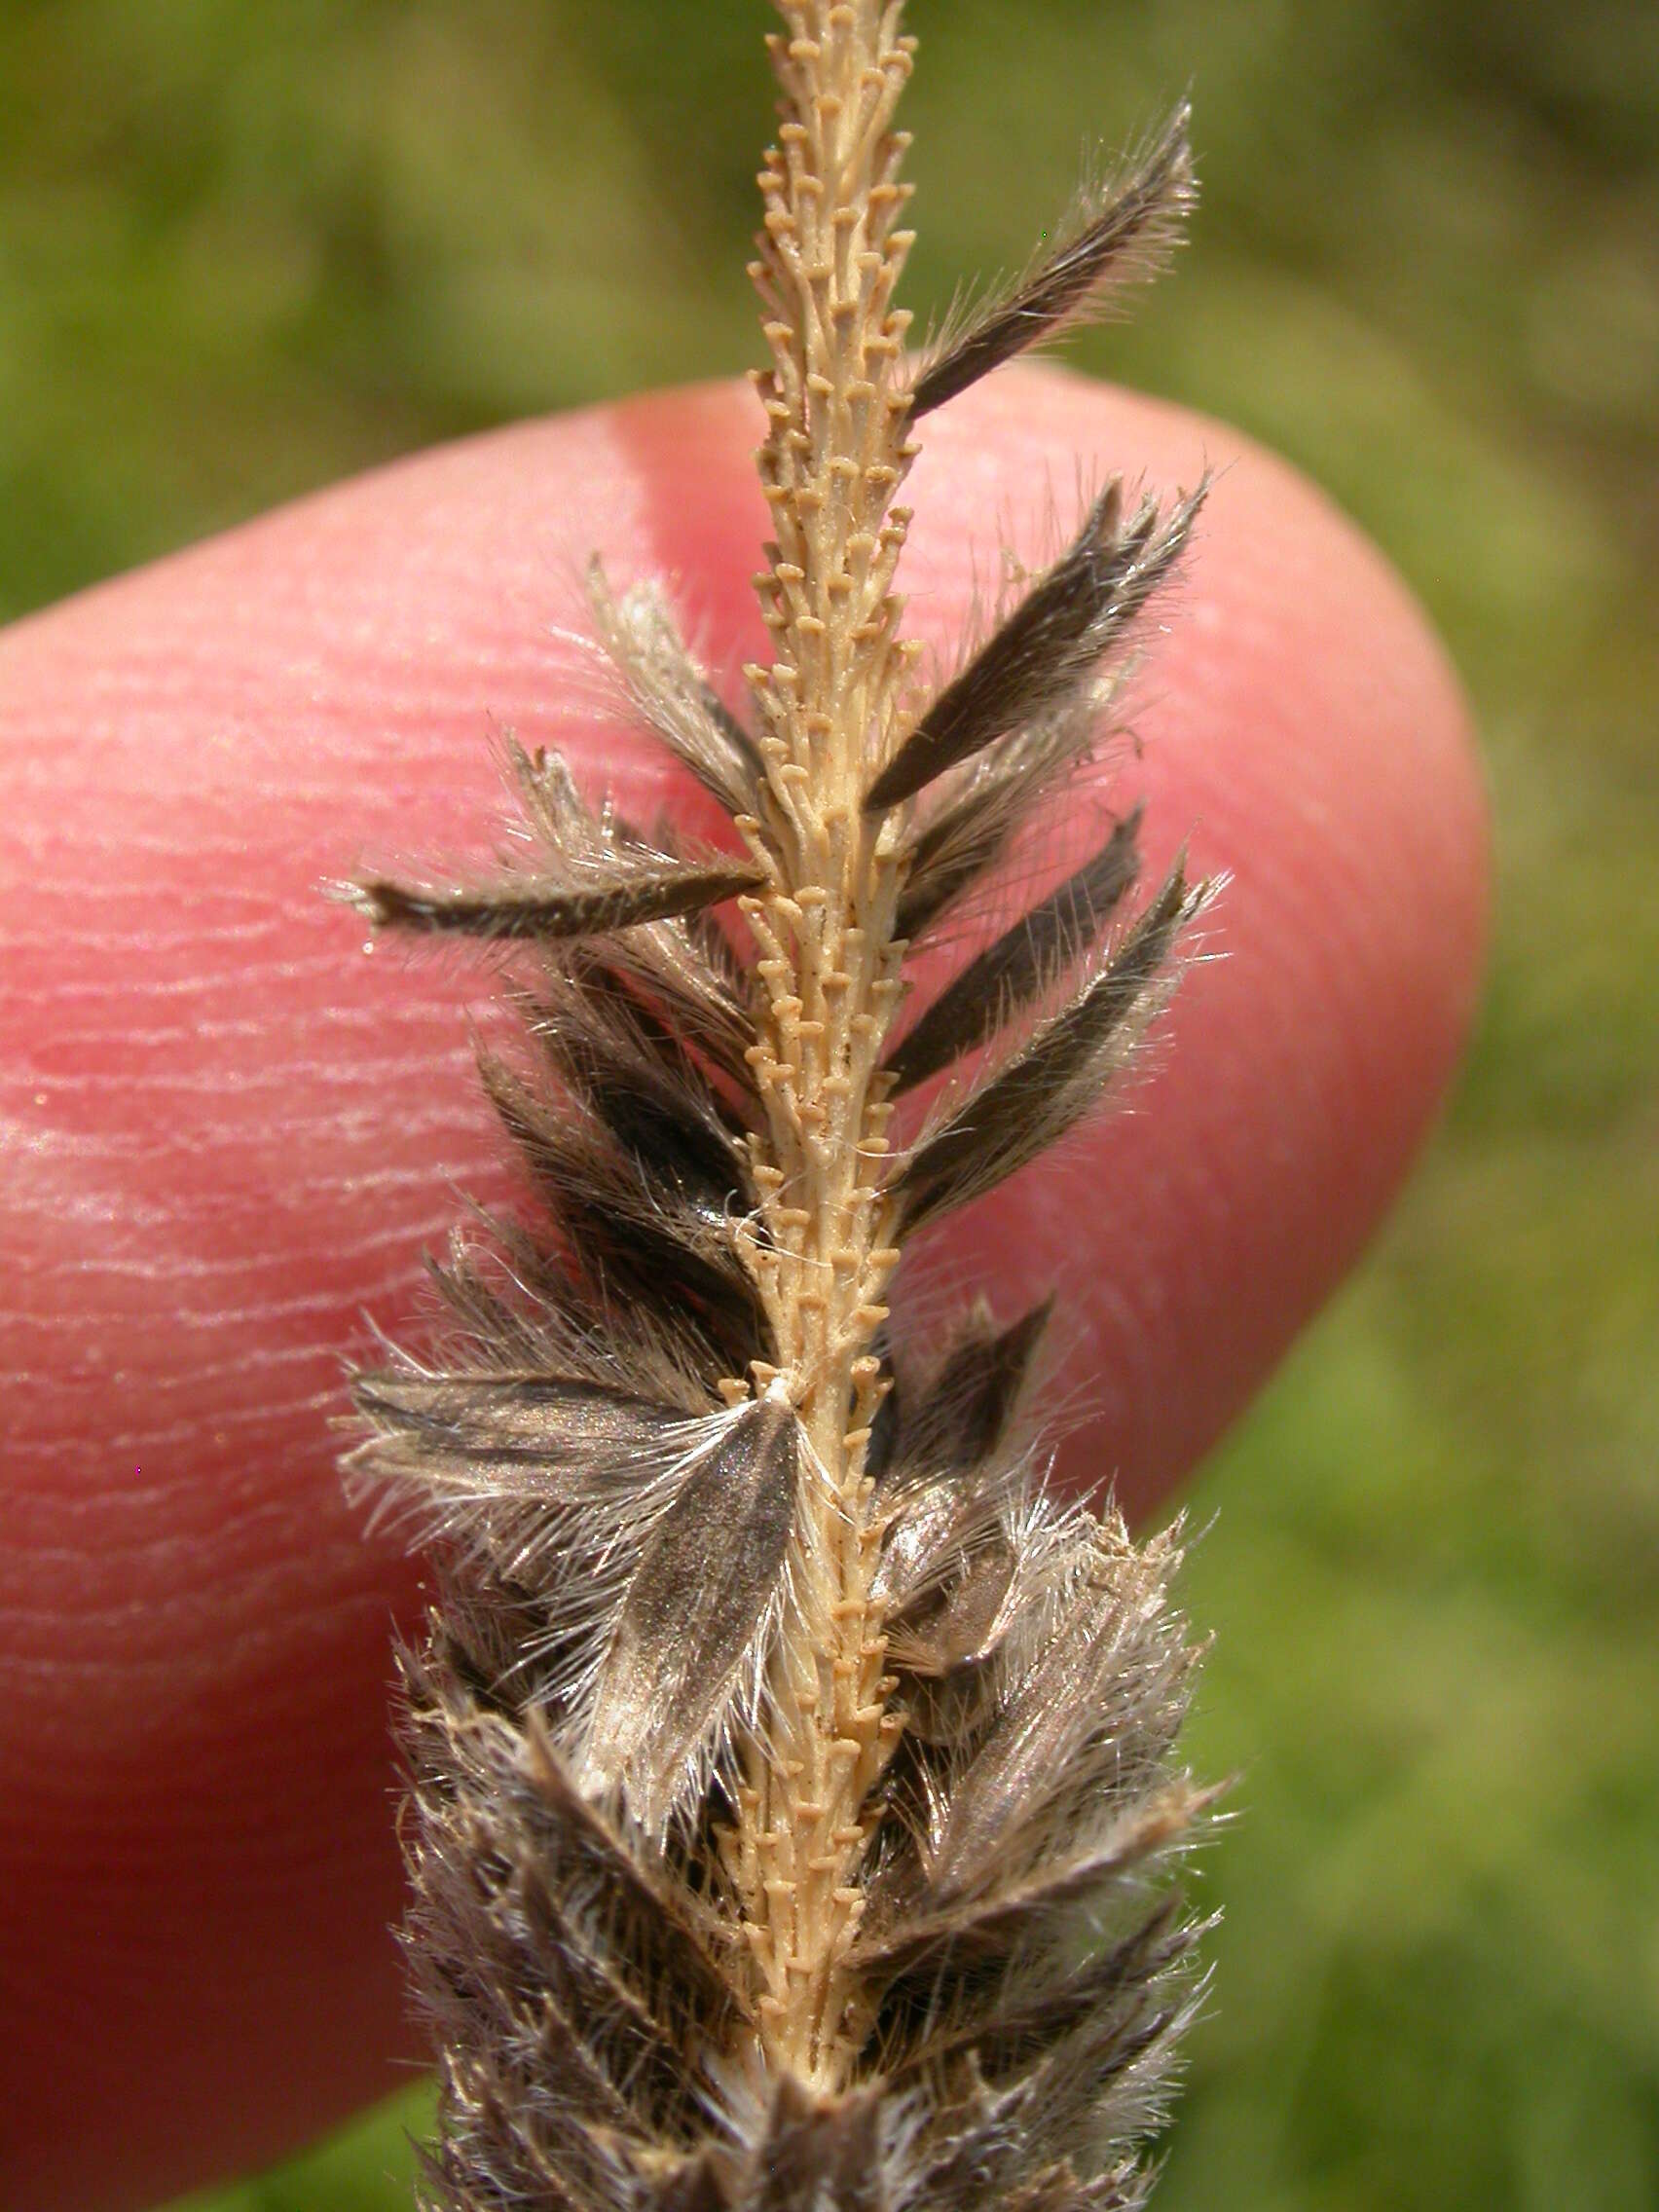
point(245, 247)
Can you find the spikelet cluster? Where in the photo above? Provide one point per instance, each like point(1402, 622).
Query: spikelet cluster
point(795, 1791)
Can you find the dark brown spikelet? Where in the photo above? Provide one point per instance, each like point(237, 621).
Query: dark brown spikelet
point(1044, 944)
point(1050, 645)
point(545, 913)
point(796, 1801)
point(1117, 230)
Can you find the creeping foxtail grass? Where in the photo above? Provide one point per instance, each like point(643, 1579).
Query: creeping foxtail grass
point(794, 1774)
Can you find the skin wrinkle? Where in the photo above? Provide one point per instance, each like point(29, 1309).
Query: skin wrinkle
point(240, 1799)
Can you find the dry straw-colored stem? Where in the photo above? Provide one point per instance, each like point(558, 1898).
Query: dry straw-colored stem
point(836, 453)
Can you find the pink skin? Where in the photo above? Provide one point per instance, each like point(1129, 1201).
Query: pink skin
point(229, 1136)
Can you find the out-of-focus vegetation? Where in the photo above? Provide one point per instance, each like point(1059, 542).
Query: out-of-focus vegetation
point(246, 246)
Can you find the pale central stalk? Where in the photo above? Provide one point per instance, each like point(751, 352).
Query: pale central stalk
point(835, 455)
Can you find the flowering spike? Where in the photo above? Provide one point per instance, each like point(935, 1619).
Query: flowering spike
point(794, 1774)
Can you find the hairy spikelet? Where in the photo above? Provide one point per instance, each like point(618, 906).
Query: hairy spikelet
point(795, 1799)
point(1119, 228)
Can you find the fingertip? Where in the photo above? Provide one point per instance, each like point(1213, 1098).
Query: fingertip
point(235, 1133)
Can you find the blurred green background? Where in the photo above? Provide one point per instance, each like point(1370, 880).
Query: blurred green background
point(247, 246)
